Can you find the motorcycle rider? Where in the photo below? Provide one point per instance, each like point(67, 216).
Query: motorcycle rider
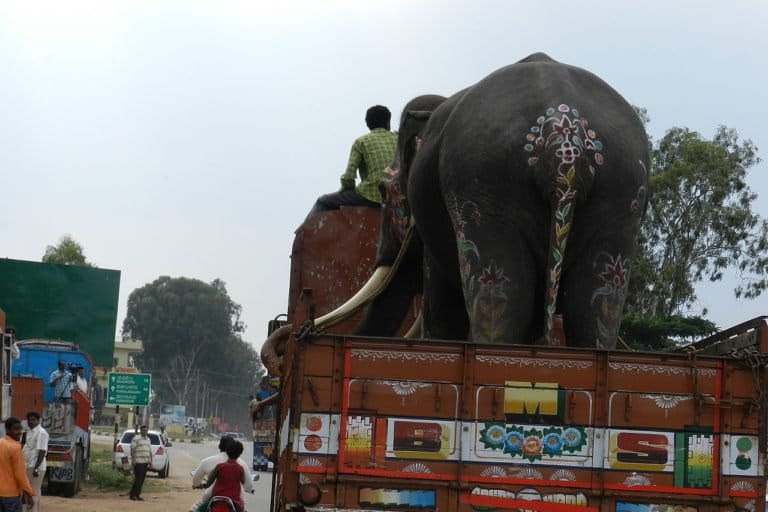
point(228, 477)
point(208, 464)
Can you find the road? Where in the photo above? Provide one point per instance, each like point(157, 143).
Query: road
point(184, 458)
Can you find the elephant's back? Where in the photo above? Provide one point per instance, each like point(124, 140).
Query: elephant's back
point(496, 125)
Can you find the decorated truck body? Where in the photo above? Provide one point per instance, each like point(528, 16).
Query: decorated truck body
point(67, 422)
point(408, 424)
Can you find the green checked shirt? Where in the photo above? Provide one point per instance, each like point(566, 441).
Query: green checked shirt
point(370, 153)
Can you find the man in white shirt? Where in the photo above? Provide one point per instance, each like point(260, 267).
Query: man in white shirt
point(34, 451)
point(81, 382)
point(207, 465)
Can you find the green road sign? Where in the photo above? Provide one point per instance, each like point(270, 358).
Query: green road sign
point(128, 388)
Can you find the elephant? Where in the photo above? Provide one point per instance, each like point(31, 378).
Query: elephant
point(525, 193)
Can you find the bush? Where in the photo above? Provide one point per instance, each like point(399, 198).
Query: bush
point(105, 478)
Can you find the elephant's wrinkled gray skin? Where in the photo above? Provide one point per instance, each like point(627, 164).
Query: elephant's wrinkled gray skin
point(535, 156)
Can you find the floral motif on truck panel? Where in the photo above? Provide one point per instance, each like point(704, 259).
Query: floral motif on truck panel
point(532, 443)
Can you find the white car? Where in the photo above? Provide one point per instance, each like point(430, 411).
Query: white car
point(237, 436)
point(160, 445)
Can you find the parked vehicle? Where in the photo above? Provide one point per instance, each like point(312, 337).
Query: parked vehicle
point(7, 339)
point(67, 422)
point(161, 463)
point(454, 426)
point(237, 436)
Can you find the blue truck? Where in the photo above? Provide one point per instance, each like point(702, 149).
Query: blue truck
point(67, 421)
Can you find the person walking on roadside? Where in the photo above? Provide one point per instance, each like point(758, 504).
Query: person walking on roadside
point(141, 458)
point(208, 464)
point(13, 479)
point(34, 456)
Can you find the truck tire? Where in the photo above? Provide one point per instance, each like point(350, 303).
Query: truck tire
point(83, 468)
point(71, 488)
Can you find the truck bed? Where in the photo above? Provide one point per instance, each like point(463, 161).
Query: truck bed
point(381, 424)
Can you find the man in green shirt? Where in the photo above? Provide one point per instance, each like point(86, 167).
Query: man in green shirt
point(370, 154)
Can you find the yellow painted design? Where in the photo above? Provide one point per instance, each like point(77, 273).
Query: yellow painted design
point(531, 398)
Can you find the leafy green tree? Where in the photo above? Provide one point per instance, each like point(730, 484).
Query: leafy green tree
point(67, 252)
point(193, 347)
point(698, 224)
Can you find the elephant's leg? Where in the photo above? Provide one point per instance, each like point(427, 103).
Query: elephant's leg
point(443, 310)
point(387, 311)
point(502, 282)
point(594, 287)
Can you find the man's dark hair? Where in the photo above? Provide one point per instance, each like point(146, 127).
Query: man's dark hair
point(378, 116)
point(10, 423)
point(235, 449)
point(33, 414)
point(225, 443)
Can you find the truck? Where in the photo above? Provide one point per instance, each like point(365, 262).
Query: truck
point(6, 356)
point(67, 421)
point(411, 424)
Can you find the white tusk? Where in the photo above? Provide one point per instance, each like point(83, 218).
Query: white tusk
point(375, 285)
point(416, 330)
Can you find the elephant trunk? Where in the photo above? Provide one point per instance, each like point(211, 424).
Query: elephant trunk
point(273, 350)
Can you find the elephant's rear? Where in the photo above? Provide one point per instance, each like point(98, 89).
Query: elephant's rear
point(551, 148)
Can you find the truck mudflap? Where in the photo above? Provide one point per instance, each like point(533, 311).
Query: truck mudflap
point(385, 424)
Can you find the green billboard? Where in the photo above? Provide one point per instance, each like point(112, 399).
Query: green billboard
point(62, 302)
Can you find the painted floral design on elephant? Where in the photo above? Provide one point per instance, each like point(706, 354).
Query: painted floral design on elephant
point(396, 205)
point(463, 214)
point(561, 132)
point(486, 295)
point(564, 128)
point(489, 304)
point(609, 296)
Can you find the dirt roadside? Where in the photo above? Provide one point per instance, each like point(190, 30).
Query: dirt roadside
point(178, 497)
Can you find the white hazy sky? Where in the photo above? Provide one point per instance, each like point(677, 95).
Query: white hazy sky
point(190, 138)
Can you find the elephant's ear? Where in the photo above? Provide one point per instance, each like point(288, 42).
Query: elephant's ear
point(419, 115)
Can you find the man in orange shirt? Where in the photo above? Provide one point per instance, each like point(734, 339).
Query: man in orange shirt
point(13, 475)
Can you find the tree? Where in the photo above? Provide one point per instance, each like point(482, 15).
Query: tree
point(193, 347)
point(67, 252)
point(699, 223)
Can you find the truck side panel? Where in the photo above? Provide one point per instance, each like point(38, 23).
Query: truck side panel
point(462, 427)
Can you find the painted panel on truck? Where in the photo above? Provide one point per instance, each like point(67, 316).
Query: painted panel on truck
point(519, 428)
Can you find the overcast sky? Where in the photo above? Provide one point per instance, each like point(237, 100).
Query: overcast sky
point(191, 138)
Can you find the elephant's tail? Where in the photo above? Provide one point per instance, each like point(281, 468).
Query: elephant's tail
point(559, 148)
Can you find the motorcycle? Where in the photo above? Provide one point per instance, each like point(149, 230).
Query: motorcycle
point(221, 503)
